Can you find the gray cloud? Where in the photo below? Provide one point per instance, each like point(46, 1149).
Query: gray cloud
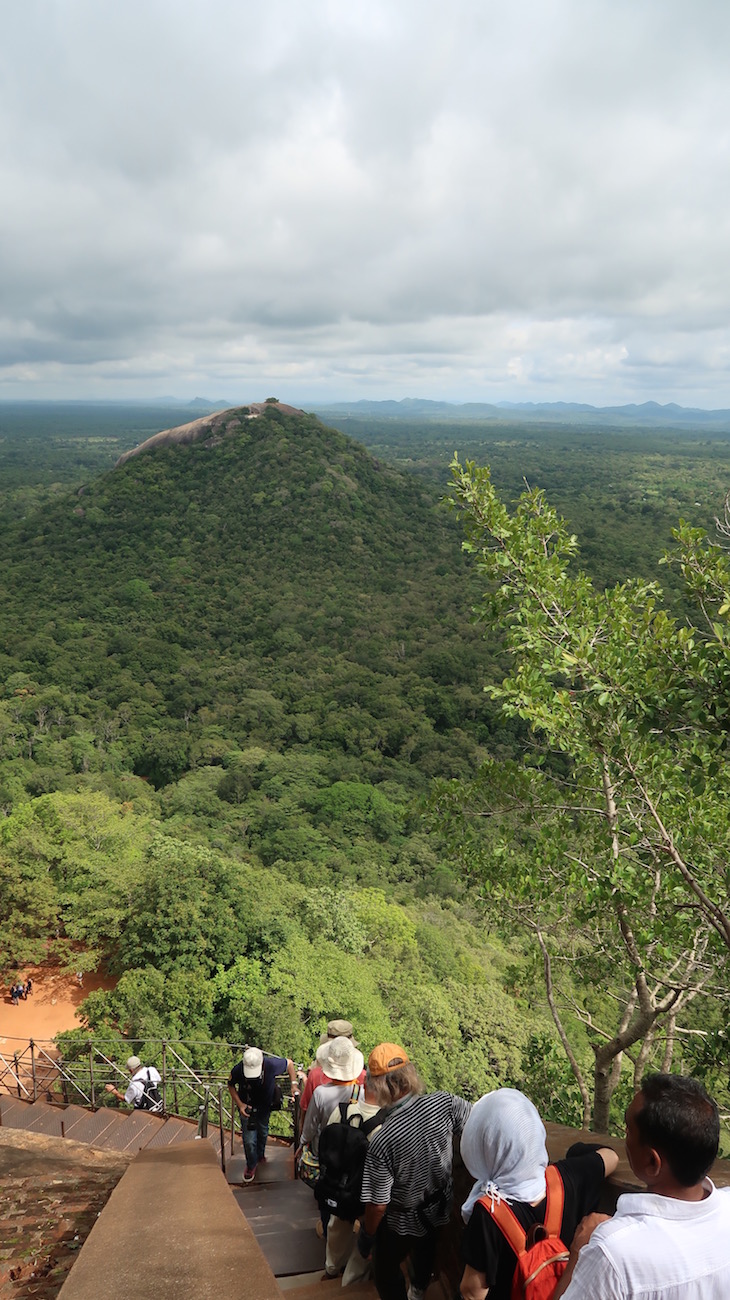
point(498, 200)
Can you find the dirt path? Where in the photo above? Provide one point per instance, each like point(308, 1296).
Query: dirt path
point(51, 1007)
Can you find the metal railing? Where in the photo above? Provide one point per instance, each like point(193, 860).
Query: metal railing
point(77, 1069)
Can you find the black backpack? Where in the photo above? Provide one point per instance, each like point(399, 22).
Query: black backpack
point(150, 1099)
point(342, 1151)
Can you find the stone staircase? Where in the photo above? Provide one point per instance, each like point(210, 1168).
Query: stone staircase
point(269, 1239)
point(106, 1128)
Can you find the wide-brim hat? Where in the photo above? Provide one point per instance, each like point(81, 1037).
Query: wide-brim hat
point(339, 1029)
point(340, 1059)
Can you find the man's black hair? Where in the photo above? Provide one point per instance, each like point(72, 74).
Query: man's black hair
point(680, 1121)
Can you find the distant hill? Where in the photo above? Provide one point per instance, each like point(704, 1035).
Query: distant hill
point(204, 403)
point(651, 414)
point(253, 573)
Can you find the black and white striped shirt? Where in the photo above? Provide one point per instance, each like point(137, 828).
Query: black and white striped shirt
point(409, 1162)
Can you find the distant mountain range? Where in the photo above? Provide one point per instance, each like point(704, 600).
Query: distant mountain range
point(651, 414)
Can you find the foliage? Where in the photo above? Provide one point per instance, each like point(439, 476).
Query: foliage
point(227, 672)
point(616, 862)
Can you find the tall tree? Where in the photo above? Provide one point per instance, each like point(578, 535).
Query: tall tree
point(618, 851)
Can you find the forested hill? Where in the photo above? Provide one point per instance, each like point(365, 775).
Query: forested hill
point(277, 583)
point(228, 669)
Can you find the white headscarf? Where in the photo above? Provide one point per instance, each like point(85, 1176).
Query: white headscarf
point(503, 1147)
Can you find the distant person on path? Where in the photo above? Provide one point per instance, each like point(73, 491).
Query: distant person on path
point(407, 1186)
point(143, 1092)
point(671, 1242)
point(503, 1147)
point(80, 978)
point(28, 987)
point(252, 1085)
point(315, 1074)
point(15, 993)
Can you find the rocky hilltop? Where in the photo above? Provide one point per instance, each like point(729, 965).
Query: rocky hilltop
point(209, 428)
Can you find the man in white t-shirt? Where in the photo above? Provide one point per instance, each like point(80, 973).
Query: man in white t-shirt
point(142, 1092)
point(671, 1242)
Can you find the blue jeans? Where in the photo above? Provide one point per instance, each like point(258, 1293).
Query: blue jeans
point(255, 1130)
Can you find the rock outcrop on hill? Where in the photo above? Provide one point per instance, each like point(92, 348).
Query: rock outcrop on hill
point(210, 428)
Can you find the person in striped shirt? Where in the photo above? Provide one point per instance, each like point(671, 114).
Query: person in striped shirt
point(407, 1186)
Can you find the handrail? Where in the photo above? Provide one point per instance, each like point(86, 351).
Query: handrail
point(14, 1073)
point(58, 1065)
point(182, 1062)
point(33, 1071)
point(236, 1048)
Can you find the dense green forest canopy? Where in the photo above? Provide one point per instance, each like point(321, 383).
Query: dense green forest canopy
point(45, 447)
point(228, 673)
point(228, 676)
point(622, 490)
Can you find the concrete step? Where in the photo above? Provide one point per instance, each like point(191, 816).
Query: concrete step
point(314, 1286)
point(283, 1216)
point(278, 1166)
point(172, 1131)
point(13, 1112)
point(72, 1116)
point(42, 1118)
point(94, 1125)
point(134, 1133)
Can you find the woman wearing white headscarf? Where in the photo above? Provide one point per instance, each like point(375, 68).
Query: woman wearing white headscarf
point(503, 1147)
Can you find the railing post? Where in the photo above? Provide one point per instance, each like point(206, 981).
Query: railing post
point(91, 1075)
point(233, 1123)
point(174, 1092)
point(203, 1114)
point(296, 1122)
point(164, 1077)
point(17, 1071)
point(220, 1128)
point(32, 1068)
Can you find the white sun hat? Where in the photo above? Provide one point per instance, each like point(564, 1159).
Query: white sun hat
point(340, 1059)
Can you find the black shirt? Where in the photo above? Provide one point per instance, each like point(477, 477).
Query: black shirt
point(258, 1093)
point(487, 1251)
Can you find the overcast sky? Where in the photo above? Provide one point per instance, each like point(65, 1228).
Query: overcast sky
point(325, 199)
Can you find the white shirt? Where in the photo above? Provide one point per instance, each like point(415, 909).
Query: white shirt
point(658, 1248)
point(324, 1099)
point(137, 1085)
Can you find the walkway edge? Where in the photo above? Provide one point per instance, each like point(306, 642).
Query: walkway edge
point(171, 1228)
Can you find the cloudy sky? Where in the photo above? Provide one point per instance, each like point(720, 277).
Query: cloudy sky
point(326, 199)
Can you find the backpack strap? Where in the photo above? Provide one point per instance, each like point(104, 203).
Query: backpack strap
point(374, 1121)
point(507, 1222)
point(555, 1201)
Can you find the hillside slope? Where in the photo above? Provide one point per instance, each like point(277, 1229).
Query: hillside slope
point(281, 559)
point(227, 668)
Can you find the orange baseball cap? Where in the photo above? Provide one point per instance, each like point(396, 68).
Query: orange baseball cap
point(385, 1058)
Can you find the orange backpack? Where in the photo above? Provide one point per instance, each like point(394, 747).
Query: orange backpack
point(541, 1256)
